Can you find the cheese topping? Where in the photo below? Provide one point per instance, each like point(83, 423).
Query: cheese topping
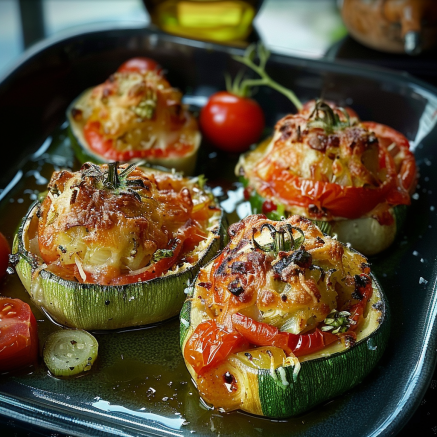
point(291, 289)
point(110, 225)
point(136, 115)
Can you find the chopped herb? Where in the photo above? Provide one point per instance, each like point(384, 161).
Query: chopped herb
point(337, 321)
point(162, 253)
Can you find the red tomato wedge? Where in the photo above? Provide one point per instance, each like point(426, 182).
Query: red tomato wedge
point(18, 335)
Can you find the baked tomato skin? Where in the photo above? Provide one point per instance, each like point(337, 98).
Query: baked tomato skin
point(210, 344)
point(18, 335)
point(139, 65)
point(5, 250)
point(230, 122)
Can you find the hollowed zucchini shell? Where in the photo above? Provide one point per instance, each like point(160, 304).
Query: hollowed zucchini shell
point(322, 376)
point(185, 164)
point(101, 307)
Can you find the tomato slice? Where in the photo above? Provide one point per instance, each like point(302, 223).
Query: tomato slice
point(140, 65)
point(210, 344)
point(387, 137)
point(92, 132)
point(365, 290)
point(18, 335)
point(340, 201)
point(262, 334)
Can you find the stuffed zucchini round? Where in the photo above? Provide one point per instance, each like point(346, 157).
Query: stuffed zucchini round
point(114, 246)
point(283, 319)
point(325, 164)
point(134, 115)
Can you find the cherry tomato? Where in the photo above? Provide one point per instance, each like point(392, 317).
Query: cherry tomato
point(140, 65)
point(230, 122)
point(18, 335)
point(268, 206)
point(209, 345)
point(5, 250)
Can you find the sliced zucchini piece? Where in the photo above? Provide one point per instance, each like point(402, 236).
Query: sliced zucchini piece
point(366, 234)
point(95, 307)
point(263, 381)
point(70, 352)
point(84, 153)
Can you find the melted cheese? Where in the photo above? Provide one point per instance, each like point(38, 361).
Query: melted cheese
point(139, 112)
point(97, 234)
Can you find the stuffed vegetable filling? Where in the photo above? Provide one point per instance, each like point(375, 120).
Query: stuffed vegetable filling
point(325, 164)
point(278, 293)
point(136, 114)
point(116, 225)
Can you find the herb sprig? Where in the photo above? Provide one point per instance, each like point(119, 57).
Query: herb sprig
point(325, 118)
point(241, 86)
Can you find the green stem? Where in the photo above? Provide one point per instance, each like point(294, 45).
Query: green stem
point(265, 80)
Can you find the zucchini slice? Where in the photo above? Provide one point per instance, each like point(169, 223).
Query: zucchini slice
point(84, 153)
point(91, 306)
point(70, 352)
point(262, 380)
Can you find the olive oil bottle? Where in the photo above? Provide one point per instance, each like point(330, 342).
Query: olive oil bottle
point(211, 20)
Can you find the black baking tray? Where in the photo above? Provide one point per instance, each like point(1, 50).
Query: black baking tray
point(33, 98)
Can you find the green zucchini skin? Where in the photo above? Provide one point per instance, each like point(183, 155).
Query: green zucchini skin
point(323, 379)
point(318, 380)
point(96, 307)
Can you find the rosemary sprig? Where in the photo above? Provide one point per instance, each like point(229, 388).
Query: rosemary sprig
point(241, 86)
point(279, 243)
point(325, 118)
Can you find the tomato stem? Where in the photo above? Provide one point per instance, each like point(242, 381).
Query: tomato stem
point(242, 87)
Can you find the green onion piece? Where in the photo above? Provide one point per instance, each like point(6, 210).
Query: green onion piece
point(70, 352)
point(162, 253)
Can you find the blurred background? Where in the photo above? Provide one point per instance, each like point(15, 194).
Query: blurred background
point(287, 26)
point(396, 34)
